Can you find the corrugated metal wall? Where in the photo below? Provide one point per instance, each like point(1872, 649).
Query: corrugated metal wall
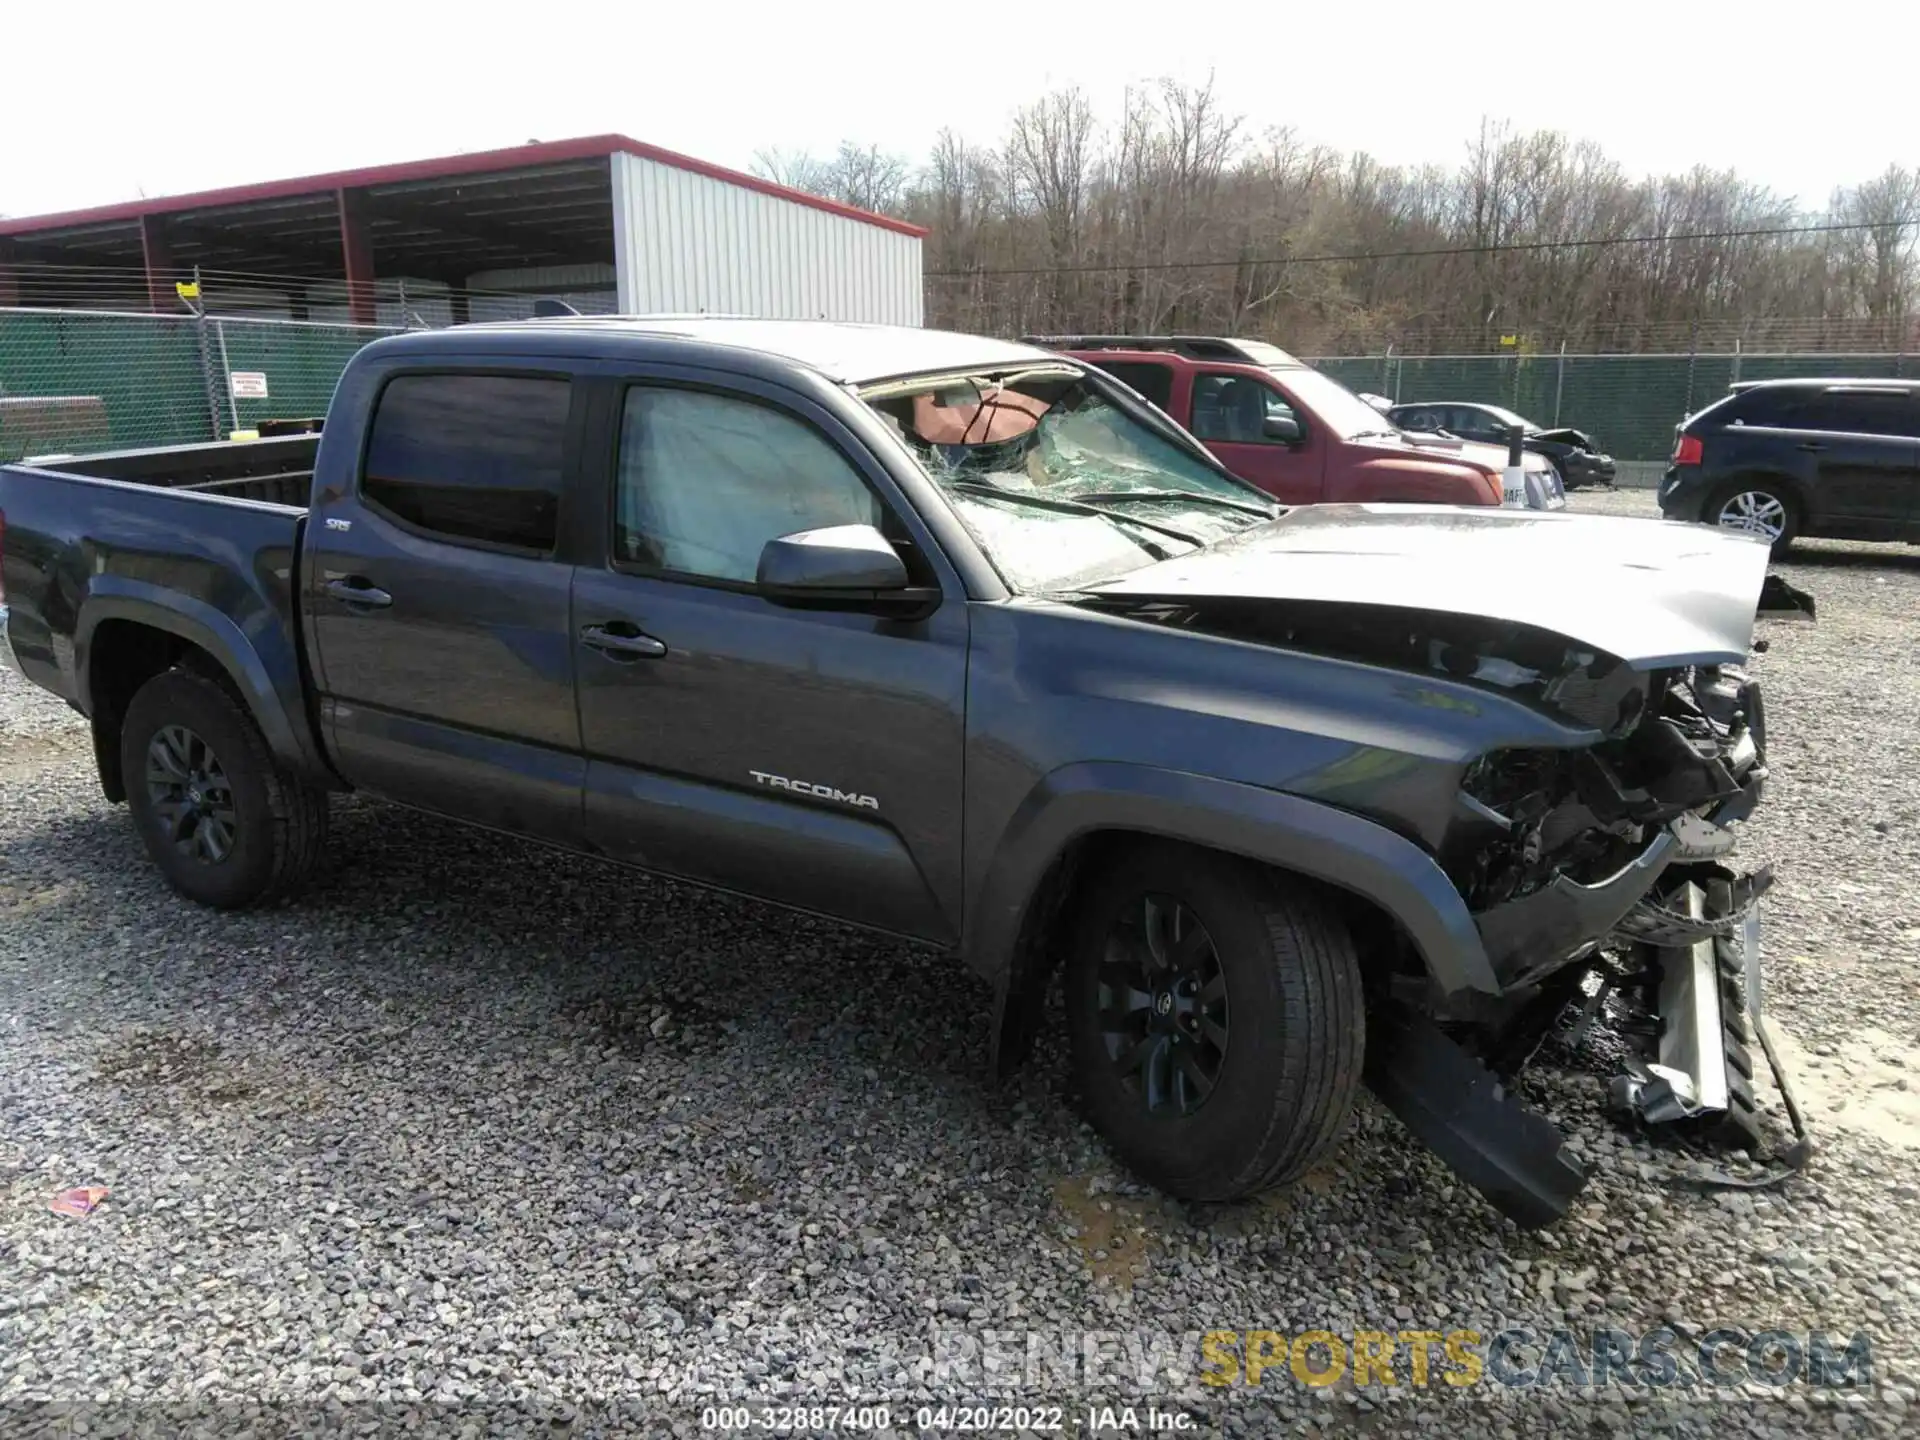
point(689, 242)
point(588, 288)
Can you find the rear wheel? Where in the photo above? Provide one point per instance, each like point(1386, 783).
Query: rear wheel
point(1217, 1021)
point(1756, 508)
point(224, 824)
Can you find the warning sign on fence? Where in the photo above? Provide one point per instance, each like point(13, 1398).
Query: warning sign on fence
point(248, 384)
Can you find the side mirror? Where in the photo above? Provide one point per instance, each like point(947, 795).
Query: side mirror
point(1283, 428)
point(841, 567)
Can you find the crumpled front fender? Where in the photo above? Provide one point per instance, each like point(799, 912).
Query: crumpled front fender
point(1295, 834)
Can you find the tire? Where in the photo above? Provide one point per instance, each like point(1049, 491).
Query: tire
point(187, 745)
point(1741, 504)
point(1291, 1015)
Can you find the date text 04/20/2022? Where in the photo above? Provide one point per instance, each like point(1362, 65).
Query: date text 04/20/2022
point(949, 1419)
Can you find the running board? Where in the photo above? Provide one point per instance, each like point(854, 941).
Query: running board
point(1514, 1156)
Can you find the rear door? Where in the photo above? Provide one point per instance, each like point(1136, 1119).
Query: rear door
point(1866, 443)
point(811, 757)
point(438, 604)
point(1228, 412)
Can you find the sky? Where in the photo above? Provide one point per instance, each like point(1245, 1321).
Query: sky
point(109, 101)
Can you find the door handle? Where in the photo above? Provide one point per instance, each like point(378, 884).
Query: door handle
point(622, 640)
point(1812, 445)
point(356, 590)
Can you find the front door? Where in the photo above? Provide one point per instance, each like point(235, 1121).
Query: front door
point(1864, 443)
point(810, 757)
point(438, 605)
point(1228, 412)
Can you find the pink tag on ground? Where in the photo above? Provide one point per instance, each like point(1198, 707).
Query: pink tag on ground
point(79, 1201)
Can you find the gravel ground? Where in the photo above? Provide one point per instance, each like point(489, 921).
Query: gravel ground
point(479, 1130)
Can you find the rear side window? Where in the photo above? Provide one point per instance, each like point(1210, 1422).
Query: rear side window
point(1153, 381)
point(470, 458)
point(1863, 412)
point(1781, 407)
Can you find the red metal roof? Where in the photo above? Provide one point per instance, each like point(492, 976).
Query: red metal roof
point(487, 161)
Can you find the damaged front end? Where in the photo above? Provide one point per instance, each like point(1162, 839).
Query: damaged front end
point(1600, 883)
point(1593, 856)
point(1557, 848)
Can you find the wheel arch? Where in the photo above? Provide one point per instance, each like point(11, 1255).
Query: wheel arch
point(129, 632)
point(1792, 488)
point(1078, 813)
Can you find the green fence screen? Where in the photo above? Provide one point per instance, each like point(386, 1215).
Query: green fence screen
point(79, 380)
point(75, 381)
point(1629, 404)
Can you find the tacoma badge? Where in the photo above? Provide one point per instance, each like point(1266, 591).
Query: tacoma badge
point(807, 787)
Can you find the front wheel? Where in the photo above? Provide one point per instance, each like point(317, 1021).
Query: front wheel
point(1756, 508)
point(224, 824)
point(1217, 1023)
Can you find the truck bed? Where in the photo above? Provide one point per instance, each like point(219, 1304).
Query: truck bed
point(197, 542)
point(274, 472)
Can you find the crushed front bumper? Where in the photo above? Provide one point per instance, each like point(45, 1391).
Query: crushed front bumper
point(1672, 937)
point(1700, 985)
point(1583, 468)
point(1565, 921)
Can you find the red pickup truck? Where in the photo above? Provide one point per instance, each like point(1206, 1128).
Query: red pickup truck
point(1298, 434)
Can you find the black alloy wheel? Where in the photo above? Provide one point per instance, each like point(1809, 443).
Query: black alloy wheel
point(188, 792)
point(226, 825)
point(1163, 1006)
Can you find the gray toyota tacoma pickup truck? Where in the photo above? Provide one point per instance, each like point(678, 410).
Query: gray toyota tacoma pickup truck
point(960, 640)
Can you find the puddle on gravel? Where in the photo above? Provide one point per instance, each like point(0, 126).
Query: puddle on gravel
point(152, 1062)
point(25, 895)
point(1868, 1085)
point(23, 755)
point(1116, 1235)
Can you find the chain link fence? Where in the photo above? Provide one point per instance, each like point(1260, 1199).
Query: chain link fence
point(74, 381)
point(1629, 404)
point(90, 380)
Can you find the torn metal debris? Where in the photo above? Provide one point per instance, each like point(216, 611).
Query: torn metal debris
point(1602, 885)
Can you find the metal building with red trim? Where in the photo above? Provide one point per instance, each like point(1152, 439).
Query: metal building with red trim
point(606, 219)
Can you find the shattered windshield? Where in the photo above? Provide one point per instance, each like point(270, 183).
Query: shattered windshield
point(1059, 485)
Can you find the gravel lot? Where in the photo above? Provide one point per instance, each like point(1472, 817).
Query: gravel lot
point(476, 1126)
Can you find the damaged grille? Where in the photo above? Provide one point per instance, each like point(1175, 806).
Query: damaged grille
point(1538, 814)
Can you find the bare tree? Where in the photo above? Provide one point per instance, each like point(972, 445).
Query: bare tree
point(1175, 217)
point(795, 169)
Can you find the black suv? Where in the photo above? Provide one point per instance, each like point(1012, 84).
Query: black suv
point(1573, 453)
point(1790, 458)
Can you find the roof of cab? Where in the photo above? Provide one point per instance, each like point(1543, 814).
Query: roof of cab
point(1827, 382)
point(851, 354)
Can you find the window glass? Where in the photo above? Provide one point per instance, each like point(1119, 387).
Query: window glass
point(1235, 409)
point(1330, 403)
point(470, 457)
point(1779, 406)
point(1863, 413)
point(705, 481)
point(1059, 485)
point(1153, 381)
point(1504, 419)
